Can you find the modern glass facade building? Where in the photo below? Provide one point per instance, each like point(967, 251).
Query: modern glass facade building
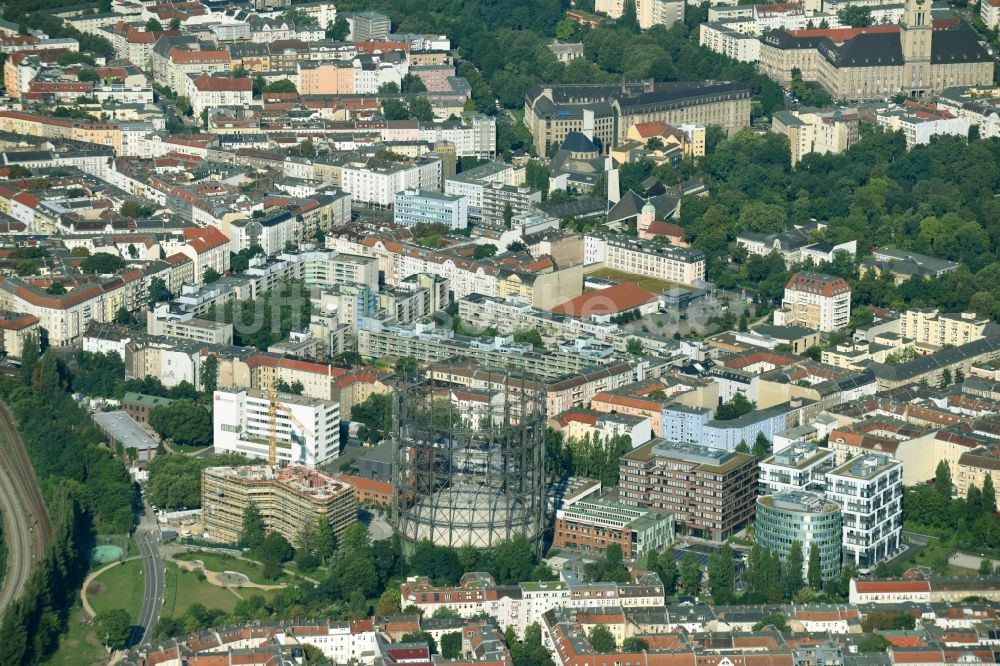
point(803, 517)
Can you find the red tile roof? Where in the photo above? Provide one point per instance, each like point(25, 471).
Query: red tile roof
point(891, 586)
point(204, 239)
point(619, 298)
point(206, 83)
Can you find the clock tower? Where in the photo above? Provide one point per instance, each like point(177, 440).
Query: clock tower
point(915, 35)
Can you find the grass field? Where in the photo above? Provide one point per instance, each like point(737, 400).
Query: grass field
point(220, 562)
point(649, 284)
point(183, 588)
point(119, 587)
point(78, 647)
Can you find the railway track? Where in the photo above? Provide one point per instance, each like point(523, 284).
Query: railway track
point(26, 521)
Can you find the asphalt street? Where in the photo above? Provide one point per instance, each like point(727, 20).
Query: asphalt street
point(148, 538)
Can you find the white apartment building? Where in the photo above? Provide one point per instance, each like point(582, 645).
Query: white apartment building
point(473, 182)
point(376, 182)
point(926, 326)
point(816, 301)
point(869, 490)
point(532, 599)
point(919, 130)
point(475, 138)
point(206, 91)
point(731, 43)
point(645, 257)
point(415, 207)
point(123, 94)
point(341, 642)
point(307, 429)
point(989, 11)
point(801, 466)
point(814, 131)
point(978, 106)
point(647, 12)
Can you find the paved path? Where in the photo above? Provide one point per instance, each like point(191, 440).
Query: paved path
point(26, 522)
point(87, 608)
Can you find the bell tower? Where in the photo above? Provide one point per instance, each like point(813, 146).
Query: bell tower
point(915, 36)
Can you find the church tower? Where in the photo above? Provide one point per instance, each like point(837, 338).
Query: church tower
point(915, 36)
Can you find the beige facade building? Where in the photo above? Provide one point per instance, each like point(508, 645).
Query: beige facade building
point(929, 327)
point(650, 258)
point(918, 58)
point(815, 131)
point(608, 111)
point(647, 12)
point(290, 499)
point(817, 301)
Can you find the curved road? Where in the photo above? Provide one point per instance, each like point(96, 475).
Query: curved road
point(26, 522)
point(154, 583)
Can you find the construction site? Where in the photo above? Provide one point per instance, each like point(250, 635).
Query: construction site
point(468, 464)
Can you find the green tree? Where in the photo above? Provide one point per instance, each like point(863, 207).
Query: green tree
point(483, 251)
point(26, 267)
point(210, 374)
point(722, 575)
point(635, 347)
point(275, 547)
point(735, 408)
point(421, 109)
point(281, 86)
point(874, 643)
point(508, 214)
point(175, 24)
point(210, 275)
point(113, 628)
point(989, 495)
point(420, 637)
point(184, 105)
point(183, 422)
point(152, 25)
point(776, 621)
point(252, 531)
point(601, 639)
point(339, 30)
point(815, 572)
point(102, 263)
point(30, 352)
point(633, 644)
point(451, 645)
point(690, 574)
point(793, 570)
point(157, 292)
point(628, 18)
point(513, 560)
point(323, 539)
point(565, 29)
point(761, 446)
point(942, 479)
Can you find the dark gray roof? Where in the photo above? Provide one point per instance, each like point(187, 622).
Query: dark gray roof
point(959, 44)
point(629, 206)
point(942, 359)
point(577, 142)
point(582, 207)
point(866, 50)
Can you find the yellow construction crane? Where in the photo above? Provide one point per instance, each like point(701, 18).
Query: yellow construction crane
point(272, 414)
